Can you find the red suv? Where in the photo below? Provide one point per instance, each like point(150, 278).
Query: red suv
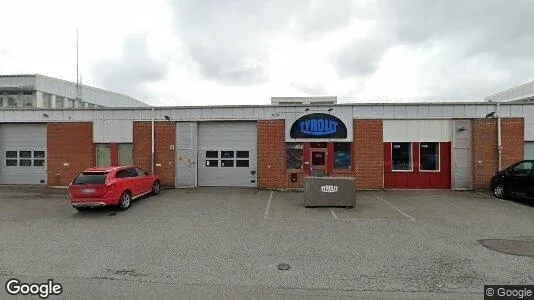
point(116, 186)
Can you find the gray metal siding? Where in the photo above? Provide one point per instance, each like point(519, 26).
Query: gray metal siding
point(186, 154)
point(461, 155)
point(227, 136)
point(22, 137)
point(529, 150)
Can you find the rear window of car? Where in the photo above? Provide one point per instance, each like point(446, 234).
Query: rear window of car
point(91, 178)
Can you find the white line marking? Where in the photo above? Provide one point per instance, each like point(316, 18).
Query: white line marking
point(268, 205)
point(396, 208)
point(333, 213)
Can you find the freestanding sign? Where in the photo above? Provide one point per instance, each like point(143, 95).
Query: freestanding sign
point(318, 126)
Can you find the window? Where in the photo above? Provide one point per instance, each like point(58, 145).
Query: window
point(141, 172)
point(38, 154)
point(103, 155)
point(240, 163)
point(47, 100)
point(212, 163)
point(429, 156)
point(1, 101)
point(11, 162)
point(401, 155)
point(212, 154)
point(522, 169)
point(227, 154)
point(241, 154)
point(91, 178)
point(227, 163)
point(27, 99)
point(125, 154)
point(126, 173)
point(25, 154)
point(294, 155)
point(60, 102)
point(342, 155)
point(11, 154)
point(38, 162)
point(318, 158)
point(70, 103)
point(12, 101)
point(25, 162)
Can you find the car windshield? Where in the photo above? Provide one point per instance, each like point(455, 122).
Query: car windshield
point(91, 178)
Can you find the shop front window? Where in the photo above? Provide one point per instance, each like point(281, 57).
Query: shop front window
point(103, 155)
point(125, 154)
point(342, 155)
point(429, 156)
point(401, 155)
point(294, 155)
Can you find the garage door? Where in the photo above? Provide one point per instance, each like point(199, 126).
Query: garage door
point(227, 154)
point(23, 153)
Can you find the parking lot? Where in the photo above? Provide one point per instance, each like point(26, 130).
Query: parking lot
point(228, 242)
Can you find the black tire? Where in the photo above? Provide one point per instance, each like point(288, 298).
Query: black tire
point(81, 209)
point(125, 201)
point(156, 188)
point(499, 192)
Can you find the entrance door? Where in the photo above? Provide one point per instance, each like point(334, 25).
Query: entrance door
point(461, 155)
point(318, 163)
point(186, 138)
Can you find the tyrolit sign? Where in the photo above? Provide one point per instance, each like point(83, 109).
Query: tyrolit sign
point(318, 126)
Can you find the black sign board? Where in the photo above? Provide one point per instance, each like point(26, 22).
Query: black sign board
point(318, 126)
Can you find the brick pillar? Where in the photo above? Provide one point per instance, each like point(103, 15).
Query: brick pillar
point(368, 154)
point(271, 154)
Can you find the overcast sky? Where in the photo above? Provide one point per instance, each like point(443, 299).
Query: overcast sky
point(202, 52)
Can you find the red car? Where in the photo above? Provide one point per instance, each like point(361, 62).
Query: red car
point(111, 186)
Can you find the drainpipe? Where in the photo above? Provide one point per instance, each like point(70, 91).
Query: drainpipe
point(152, 154)
point(499, 136)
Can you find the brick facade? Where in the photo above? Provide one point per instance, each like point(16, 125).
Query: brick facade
point(272, 155)
point(70, 150)
point(164, 137)
point(485, 154)
point(368, 158)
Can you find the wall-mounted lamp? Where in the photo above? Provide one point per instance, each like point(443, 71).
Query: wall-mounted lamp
point(167, 118)
point(330, 109)
point(45, 115)
point(307, 109)
point(490, 115)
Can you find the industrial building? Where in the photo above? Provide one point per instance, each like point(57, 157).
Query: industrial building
point(26, 91)
point(383, 146)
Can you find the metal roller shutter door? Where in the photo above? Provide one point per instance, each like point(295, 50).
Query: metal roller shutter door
point(222, 151)
point(23, 154)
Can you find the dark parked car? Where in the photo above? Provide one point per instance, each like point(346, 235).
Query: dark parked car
point(516, 180)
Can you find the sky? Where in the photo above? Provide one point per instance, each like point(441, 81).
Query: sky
point(227, 52)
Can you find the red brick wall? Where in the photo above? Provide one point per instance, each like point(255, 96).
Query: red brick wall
point(272, 155)
point(72, 144)
point(165, 136)
point(485, 157)
point(368, 155)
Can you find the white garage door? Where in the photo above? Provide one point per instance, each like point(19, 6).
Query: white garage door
point(227, 154)
point(23, 153)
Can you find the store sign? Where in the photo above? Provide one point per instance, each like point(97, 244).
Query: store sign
point(318, 126)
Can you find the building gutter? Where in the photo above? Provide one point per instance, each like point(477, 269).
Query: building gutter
point(152, 153)
point(499, 136)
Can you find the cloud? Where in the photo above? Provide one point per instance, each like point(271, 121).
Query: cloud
point(133, 70)
point(310, 88)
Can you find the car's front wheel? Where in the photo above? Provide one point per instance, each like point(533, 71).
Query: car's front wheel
point(498, 191)
point(156, 187)
point(125, 201)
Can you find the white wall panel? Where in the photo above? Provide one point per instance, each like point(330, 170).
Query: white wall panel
point(529, 122)
point(113, 131)
point(428, 130)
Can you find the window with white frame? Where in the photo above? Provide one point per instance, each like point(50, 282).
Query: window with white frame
point(27, 99)
point(47, 100)
point(60, 102)
point(429, 156)
point(401, 156)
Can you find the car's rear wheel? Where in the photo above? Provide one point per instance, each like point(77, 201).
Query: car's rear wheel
point(498, 191)
point(125, 201)
point(81, 208)
point(156, 187)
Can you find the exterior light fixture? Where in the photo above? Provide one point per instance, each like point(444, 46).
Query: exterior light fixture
point(167, 118)
point(45, 115)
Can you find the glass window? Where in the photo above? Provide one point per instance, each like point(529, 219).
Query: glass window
point(212, 163)
point(294, 155)
point(70, 103)
point(429, 156)
point(227, 154)
point(318, 145)
point(103, 155)
point(11, 154)
point(401, 156)
point(227, 163)
point(38, 162)
point(212, 154)
point(141, 172)
point(47, 100)
point(27, 99)
point(38, 154)
point(91, 178)
point(318, 158)
point(241, 154)
point(25, 154)
point(12, 101)
point(1, 101)
point(522, 169)
point(60, 102)
point(125, 154)
point(11, 162)
point(241, 163)
point(342, 155)
point(25, 162)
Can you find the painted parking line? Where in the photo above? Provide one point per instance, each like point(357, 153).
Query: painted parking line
point(333, 213)
point(393, 206)
point(268, 205)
